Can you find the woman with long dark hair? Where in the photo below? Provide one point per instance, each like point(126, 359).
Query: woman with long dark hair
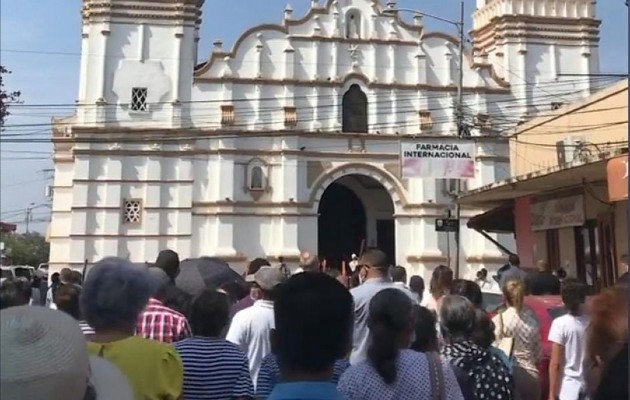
point(392, 370)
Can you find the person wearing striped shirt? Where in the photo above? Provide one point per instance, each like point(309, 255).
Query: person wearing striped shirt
point(213, 367)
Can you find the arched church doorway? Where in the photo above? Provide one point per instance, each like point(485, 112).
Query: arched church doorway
point(355, 212)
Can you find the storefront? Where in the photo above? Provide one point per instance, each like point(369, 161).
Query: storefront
point(566, 216)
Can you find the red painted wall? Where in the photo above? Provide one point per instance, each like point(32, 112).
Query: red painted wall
point(522, 230)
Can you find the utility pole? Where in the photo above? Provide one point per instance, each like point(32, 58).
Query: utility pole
point(29, 216)
point(459, 117)
point(391, 9)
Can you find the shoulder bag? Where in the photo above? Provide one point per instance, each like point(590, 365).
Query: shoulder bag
point(503, 342)
point(437, 376)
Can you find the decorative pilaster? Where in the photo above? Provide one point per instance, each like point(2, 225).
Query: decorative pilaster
point(316, 124)
point(393, 67)
point(259, 56)
point(334, 68)
point(289, 62)
point(258, 123)
point(448, 71)
point(374, 26)
point(421, 65)
point(336, 20)
point(393, 118)
point(315, 49)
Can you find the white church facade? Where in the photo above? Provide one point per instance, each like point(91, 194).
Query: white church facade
point(290, 141)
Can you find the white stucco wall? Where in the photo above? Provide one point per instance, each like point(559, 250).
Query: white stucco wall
point(190, 171)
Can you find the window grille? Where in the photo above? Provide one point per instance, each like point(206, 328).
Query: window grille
point(139, 99)
point(290, 116)
point(132, 211)
point(227, 115)
point(426, 120)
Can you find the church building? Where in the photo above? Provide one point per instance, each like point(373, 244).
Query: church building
point(291, 139)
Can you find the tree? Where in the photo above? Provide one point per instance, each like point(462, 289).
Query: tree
point(6, 98)
point(26, 249)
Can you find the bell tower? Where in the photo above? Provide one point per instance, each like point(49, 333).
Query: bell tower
point(137, 61)
point(532, 44)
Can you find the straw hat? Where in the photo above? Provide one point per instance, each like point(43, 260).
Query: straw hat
point(45, 356)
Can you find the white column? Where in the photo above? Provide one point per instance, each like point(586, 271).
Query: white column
point(421, 66)
point(315, 124)
point(393, 67)
point(316, 60)
point(394, 117)
point(335, 61)
point(448, 70)
point(289, 62)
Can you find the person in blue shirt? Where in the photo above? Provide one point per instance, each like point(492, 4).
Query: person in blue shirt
point(313, 329)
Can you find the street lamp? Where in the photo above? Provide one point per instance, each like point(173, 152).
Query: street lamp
point(391, 9)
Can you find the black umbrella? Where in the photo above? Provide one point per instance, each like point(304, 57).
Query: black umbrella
point(197, 274)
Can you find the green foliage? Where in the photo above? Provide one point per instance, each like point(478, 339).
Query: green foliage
point(6, 98)
point(26, 249)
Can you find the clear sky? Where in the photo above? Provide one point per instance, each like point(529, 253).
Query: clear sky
point(40, 43)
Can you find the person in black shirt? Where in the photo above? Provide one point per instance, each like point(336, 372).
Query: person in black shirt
point(544, 282)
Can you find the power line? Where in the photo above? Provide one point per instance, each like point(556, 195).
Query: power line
point(276, 98)
point(314, 114)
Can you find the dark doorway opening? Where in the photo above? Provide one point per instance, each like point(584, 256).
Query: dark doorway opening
point(355, 212)
point(385, 234)
point(341, 225)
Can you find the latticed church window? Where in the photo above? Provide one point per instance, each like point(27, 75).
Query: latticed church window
point(139, 99)
point(132, 211)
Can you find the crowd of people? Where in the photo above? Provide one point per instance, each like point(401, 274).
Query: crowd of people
point(129, 332)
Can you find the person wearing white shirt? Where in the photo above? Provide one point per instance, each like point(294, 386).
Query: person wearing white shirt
point(399, 276)
point(251, 327)
point(354, 263)
point(65, 276)
point(567, 335)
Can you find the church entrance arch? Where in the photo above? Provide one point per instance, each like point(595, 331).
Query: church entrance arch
point(355, 212)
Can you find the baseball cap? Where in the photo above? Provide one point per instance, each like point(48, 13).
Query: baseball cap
point(268, 278)
point(45, 356)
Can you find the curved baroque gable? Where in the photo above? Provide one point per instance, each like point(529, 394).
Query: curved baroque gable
point(328, 43)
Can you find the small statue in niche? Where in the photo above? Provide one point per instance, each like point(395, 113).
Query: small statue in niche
point(256, 181)
point(353, 26)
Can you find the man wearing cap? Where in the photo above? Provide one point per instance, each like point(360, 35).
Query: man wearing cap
point(376, 265)
point(251, 327)
point(254, 292)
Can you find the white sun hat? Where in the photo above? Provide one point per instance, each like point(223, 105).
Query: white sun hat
point(45, 356)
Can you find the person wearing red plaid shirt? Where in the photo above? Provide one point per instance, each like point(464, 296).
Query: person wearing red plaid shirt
point(161, 323)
